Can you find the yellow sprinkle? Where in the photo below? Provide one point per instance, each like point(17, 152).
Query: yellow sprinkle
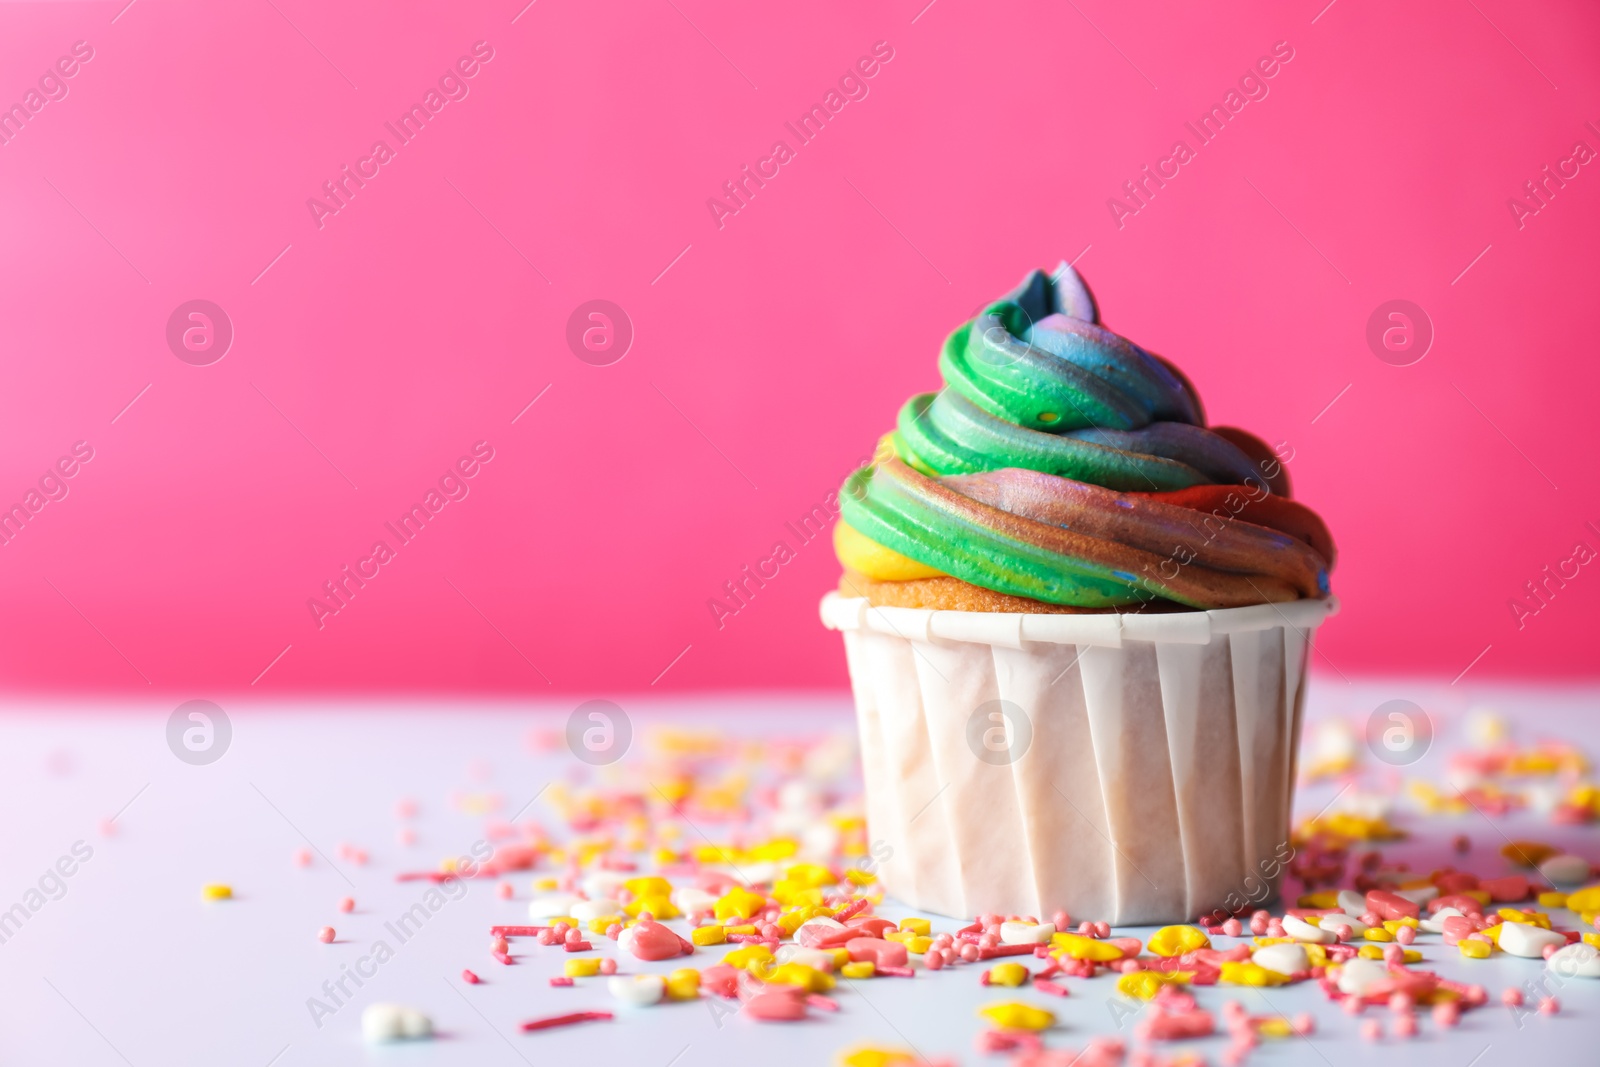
point(915, 926)
point(1474, 949)
point(1592, 939)
point(1278, 1027)
point(545, 885)
point(747, 955)
point(1086, 948)
point(1176, 940)
point(841, 956)
point(656, 904)
point(877, 1057)
point(602, 924)
point(1377, 933)
point(790, 921)
point(1319, 900)
point(1531, 918)
point(1144, 985)
point(1370, 952)
point(740, 928)
point(1394, 925)
point(919, 944)
point(738, 902)
point(1008, 974)
point(1013, 1015)
point(857, 876)
point(1552, 899)
point(683, 984)
point(582, 967)
point(897, 935)
point(811, 875)
point(708, 935)
point(1586, 899)
point(798, 974)
point(858, 969)
point(216, 891)
point(1251, 974)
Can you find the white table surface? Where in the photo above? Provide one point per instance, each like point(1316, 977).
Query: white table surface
point(130, 966)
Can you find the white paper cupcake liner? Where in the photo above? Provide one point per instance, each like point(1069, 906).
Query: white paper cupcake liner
point(1127, 768)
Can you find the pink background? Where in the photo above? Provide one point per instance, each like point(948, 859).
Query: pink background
point(772, 353)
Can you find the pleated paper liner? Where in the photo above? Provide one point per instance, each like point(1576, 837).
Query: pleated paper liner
point(1127, 768)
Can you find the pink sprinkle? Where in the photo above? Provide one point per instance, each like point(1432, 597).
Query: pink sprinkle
point(614, 931)
point(578, 946)
point(560, 930)
point(505, 891)
point(896, 972)
point(1405, 935)
point(325, 935)
point(854, 909)
point(1372, 1030)
point(347, 904)
point(1130, 966)
point(470, 978)
point(1549, 1006)
point(1002, 950)
point(1342, 931)
point(546, 937)
point(1405, 1026)
point(1102, 929)
point(1511, 997)
point(1304, 1024)
point(502, 957)
point(1401, 1003)
point(516, 931)
point(1446, 1014)
point(561, 980)
point(1353, 1005)
point(1086, 928)
point(1061, 920)
point(1394, 955)
point(572, 935)
point(1233, 928)
point(934, 960)
point(499, 944)
point(608, 966)
point(562, 1021)
point(1044, 985)
point(969, 952)
point(302, 858)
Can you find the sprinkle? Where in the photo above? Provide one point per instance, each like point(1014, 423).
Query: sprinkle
point(216, 891)
point(325, 935)
point(566, 1020)
point(470, 978)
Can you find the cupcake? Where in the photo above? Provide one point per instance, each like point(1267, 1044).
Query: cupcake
point(1077, 621)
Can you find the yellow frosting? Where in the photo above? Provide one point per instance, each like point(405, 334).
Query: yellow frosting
point(865, 556)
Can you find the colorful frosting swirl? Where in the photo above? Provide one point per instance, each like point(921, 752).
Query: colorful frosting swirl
point(1064, 463)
